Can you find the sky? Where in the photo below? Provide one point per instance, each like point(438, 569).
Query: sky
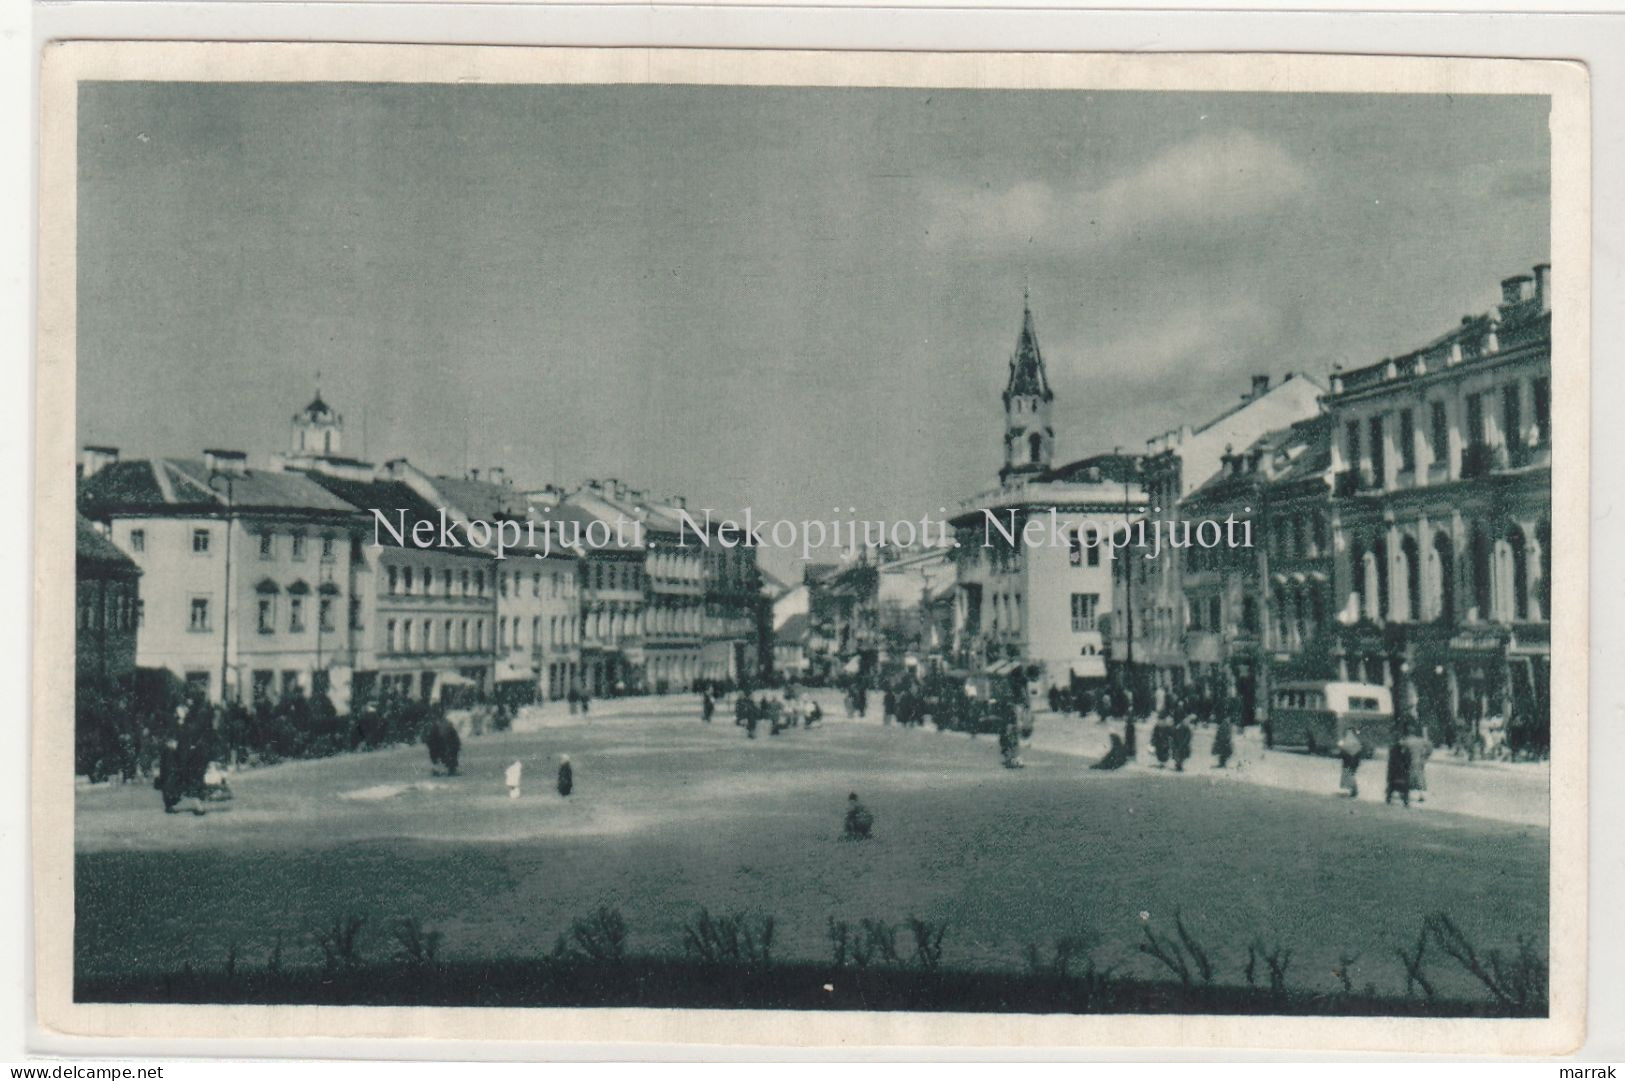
point(793, 299)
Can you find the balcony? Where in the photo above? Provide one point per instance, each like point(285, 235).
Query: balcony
point(1529, 456)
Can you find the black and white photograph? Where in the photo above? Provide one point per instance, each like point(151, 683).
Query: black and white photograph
point(884, 543)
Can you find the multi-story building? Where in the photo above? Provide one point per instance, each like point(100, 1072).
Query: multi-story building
point(538, 603)
point(107, 587)
point(612, 588)
point(735, 614)
point(1442, 513)
point(1260, 603)
point(246, 572)
point(1151, 606)
point(1032, 564)
point(422, 619)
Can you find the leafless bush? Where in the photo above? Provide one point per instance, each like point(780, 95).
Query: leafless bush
point(876, 945)
point(1414, 976)
point(1344, 970)
point(414, 944)
point(927, 942)
point(1178, 955)
point(341, 943)
point(729, 940)
point(1517, 983)
point(600, 936)
point(1276, 959)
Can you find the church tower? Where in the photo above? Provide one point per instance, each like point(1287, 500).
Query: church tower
point(317, 429)
point(1029, 439)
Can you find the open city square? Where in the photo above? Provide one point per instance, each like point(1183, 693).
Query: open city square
point(477, 605)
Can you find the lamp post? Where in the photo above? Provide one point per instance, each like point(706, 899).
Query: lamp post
point(225, 604)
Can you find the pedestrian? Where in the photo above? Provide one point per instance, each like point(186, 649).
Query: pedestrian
point(1085, 703)
point(1399, 773)
point(888, 706)
point(863, 701)
point(512, 777)
point(567, 776)
point(1181, 738)
point(860, 823)
point(1349, 751)
point(1010, 745)
point(1162, 743)
point(1130, 743)
point(708, 706)
point(445, 745)
point(575, 698)
point(585, 701)
point(1223, 747)
point(1116, 757)
point(1420, 748)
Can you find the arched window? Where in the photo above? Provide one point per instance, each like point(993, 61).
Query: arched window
point(1035, 447)
point(1413, 579)
point(1520, 572)
point(1445, 577)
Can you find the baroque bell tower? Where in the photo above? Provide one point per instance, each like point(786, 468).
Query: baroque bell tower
point(317, 430)
point(1029, 438)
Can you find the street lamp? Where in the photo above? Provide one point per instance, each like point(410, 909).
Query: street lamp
point(225, 604)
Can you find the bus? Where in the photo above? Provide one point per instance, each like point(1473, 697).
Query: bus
point(1314, 714)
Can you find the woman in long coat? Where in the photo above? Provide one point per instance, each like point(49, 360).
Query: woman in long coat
point(567, 777)
point(1180, 736)
point(1399, 773)
point(1223, 746)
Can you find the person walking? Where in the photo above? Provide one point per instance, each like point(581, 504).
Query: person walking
point(708, 706)
point(1399, 773)
point(574, 697)
point(1161, 741)
point(1180, 735)
point(888, 706)
point(1116, 757)
point(1131, 745)
point(567, 776)
point(1349, 750)
point(1223, 746)
point(860, 822)
point(1420, 748)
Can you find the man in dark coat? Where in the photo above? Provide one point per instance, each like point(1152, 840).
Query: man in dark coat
point(445, 745)
point(1161, 741)
point(1223, 747)
point(1181, 738)
point(860, 823)
point(888, 706)
point(1399, 773)
point(567, 777)
point(708, 707)
point(1130, 739)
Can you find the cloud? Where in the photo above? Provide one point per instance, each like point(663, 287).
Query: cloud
point(1211, 181)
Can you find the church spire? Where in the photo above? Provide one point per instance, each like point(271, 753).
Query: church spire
point(1027, 375)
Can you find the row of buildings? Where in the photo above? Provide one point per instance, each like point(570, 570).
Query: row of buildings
point(1399, 519)
point(255, 582)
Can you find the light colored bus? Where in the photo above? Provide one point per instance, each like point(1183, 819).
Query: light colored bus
point(1314, 714)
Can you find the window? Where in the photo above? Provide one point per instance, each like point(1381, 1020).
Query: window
point(138, 540)
point(324, 613)
point(1352, 444)
point(1475, 420)
point(197, 682)
point(394, 582)
point(1074, 550)
point(1439, 433)
point(1407, 442)
point(200, 542)
point(406, 636)
point(392, 632)
point(198, 614)
point(445, 637)
point(463, 589)
point(1512, 415)
point(262, 684)
point(423, 636)
point(140, 613)
point(267, 620)
point(299, 544)
point(1213, 614)
point(355, 613)
point(290, 683)
point(406, 581)
point(267, 545)
point(1541, 391)
point(1084, 608)
point(296, 614)
point(329, 549)
point(445, 582)
point(536, 584)
point(1379, 464)
point(502, 584)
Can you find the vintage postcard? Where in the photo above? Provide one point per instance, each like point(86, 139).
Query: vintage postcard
point(793, 548)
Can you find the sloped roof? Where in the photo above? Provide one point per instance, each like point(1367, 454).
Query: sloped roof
point(795, 629)
point(91, 549)
point(158, 485)
point(394, 499)
point(1027, 375)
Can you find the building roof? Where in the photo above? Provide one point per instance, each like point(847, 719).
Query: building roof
point(94, 551)
point(1027, 375)
point(1300, 451)
point(1115, 468)
point(393, 499)
point(179, 485)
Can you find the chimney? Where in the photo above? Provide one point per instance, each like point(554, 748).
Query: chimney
point(1543, 286)
point(1261, 384)
point(93, 460)
point(233, 462)
point(496, 475)
point(1516, 290)
point(680, 502)
point(474, 474)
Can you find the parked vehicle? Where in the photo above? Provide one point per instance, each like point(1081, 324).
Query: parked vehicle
point(1314, 714)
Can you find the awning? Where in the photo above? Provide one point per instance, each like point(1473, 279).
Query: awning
point(1000, 668)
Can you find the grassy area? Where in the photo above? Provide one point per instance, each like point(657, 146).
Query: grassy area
point(671, 816)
